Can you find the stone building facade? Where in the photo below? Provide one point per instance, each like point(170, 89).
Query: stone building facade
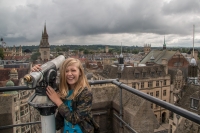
point(14, 107)
point(12, 51)
point(190, 100)
point(175, 62)
point(153, 80)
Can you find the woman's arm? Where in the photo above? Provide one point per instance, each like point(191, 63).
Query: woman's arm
point(59, 121)
point(83, 108)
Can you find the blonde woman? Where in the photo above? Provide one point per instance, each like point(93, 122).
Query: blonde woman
point(74, 100)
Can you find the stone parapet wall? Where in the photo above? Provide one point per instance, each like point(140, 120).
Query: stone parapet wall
point(136, 111)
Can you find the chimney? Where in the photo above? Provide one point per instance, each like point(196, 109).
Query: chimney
point(165, 64)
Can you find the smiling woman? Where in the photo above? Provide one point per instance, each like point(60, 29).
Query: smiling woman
point(74, 99)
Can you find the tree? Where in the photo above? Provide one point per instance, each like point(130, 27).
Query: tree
point(1, 53)
point(65, 49)
point(35, 56)
point(86, 51)
point(58, 49)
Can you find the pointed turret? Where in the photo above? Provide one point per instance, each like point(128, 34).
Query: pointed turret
point(121, 63)
point(152, 58)
point(121, 57)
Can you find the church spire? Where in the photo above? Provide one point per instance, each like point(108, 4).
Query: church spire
point(45, 31)
point(164, 45)
point(193, 41)
point(44, 40)
point(44, 47)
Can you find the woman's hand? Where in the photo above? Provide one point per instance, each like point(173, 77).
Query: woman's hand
point(53, 96)
point(36, 68)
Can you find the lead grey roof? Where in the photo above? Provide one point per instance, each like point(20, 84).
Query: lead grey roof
point(158, 55)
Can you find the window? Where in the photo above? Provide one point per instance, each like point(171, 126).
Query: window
point(17, 131)
point(152, 105)
point(151, 93)
point(150, 84)
point(157, 106)
point(136, 75)
point(17, 116)
point(164, 92)
point(142, 85)
point(159, 73)
point(23, 129)
point(178, 64)
point(194, 103)
point(144, 74)
point(165, 82)
point(157, 83)
point(179, 84)
point(152, 74)
point(15, 99)
point(134, 85)
point(24, 110)
point(157, 93)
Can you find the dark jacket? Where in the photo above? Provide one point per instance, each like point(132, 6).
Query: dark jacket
point(81, 113)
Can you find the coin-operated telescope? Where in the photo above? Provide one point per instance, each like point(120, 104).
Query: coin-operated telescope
point(39, 100)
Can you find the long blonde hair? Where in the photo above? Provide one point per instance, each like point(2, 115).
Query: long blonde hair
point(80, 84)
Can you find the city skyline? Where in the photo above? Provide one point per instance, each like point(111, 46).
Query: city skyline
point(101, 22)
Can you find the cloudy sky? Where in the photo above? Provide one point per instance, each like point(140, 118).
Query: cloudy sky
point(110, 22)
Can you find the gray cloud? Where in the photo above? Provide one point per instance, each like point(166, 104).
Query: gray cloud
point(90, 22)
point(182, 7)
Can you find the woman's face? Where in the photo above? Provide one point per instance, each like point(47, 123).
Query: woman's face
point(72, 75)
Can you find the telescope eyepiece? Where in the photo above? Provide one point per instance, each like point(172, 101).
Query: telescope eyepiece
point(27, 78)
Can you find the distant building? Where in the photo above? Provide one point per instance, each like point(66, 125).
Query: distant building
point(151, 79)
point(11, 51)
point(147, 48)
point(44, 47)
point(174, 61)
point(106, 49)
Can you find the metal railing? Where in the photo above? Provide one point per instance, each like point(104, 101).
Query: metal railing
point(180, 111)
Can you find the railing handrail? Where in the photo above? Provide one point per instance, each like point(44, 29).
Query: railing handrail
point(22, 124)
point(15, 88)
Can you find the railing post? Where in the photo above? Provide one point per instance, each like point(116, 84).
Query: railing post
point(120, 102)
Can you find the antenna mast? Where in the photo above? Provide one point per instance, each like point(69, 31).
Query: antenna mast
point(193, 40)
point(121, 47)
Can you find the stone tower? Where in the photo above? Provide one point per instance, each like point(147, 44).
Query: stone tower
point(147, 48)
point(44, 47)
point(106, 49)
